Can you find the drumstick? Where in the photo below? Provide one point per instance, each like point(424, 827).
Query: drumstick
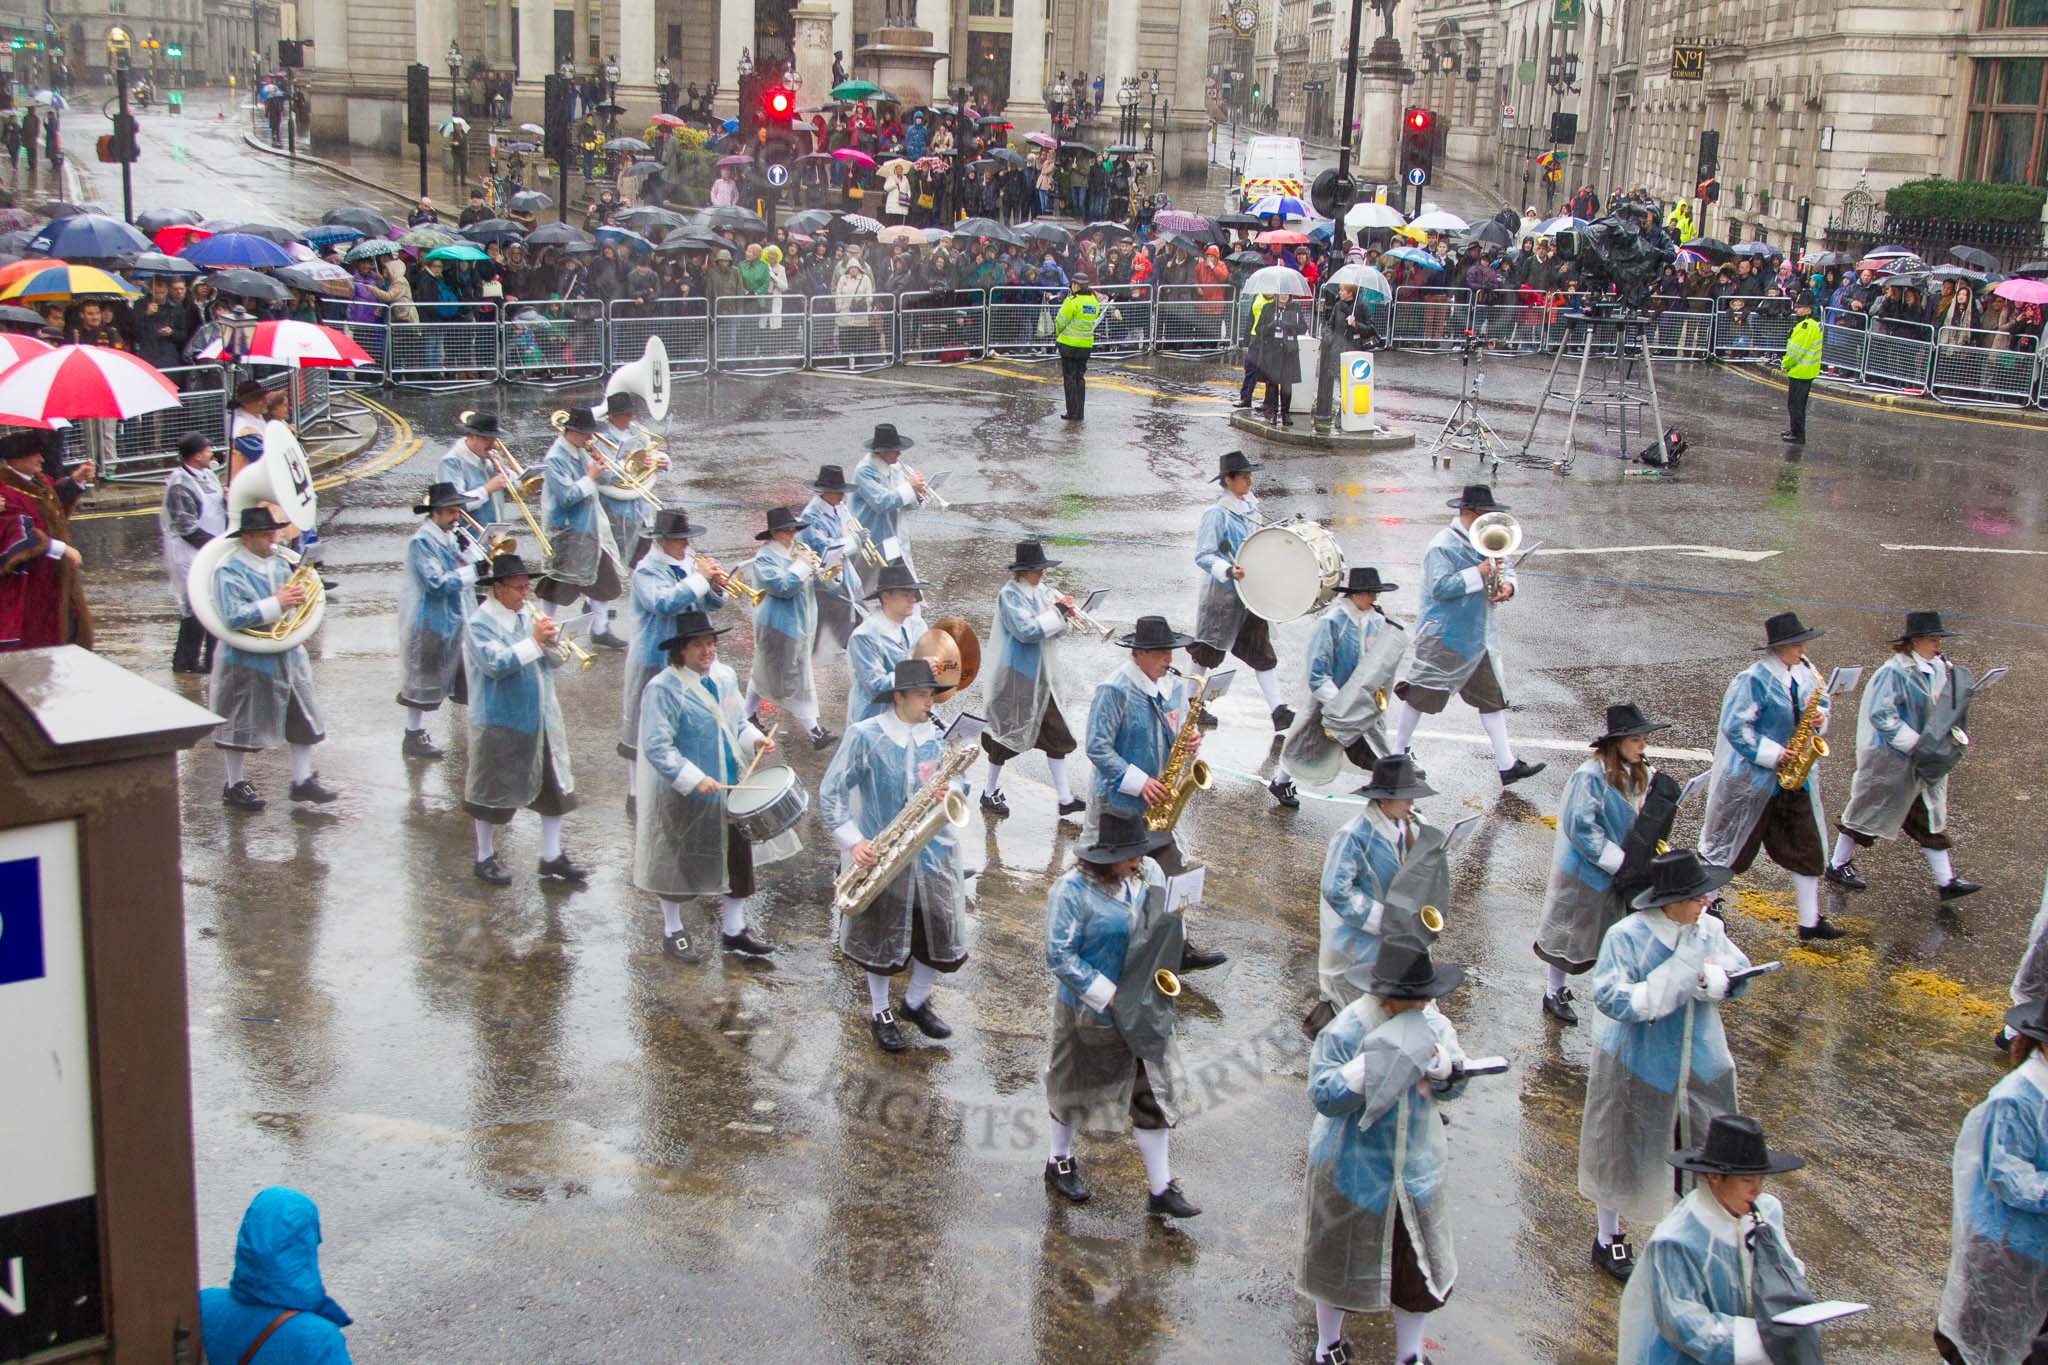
point(752, 764)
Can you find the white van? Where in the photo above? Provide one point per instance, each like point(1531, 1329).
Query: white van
point(1273, 165)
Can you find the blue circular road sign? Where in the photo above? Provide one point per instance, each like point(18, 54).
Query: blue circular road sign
point(778, 174)
point(1418, 176)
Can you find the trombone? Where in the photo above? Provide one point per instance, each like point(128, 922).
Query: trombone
point(638, 486)
point(503, 545)
point(517, 484)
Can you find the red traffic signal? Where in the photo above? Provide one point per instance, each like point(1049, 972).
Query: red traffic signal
point(778, 104)
point(1418, 119)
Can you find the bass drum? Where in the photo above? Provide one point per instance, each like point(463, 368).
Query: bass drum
point(1290, 570)
point(764, 811)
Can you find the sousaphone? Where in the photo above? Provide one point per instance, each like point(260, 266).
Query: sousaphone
point(282, 478)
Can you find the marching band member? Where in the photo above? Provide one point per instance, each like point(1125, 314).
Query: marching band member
point(1661, 1067)
point(2030, 978)
point(1133, 719)
point(826, 532)
point(1890, 792)
point(585, 561)
point(1376, 1224)
point(467, 465)
point(1359, 868)
point(882, 641)
point(1747, 809)
point(42, 600)
point(1222, 623)
point(785, 626)
point(1457, 640)
point(1995, 1302)
point(1023, 711)
point(267, 699)
point(668, 581)
point(194, 512)
point(441, 570)
point(1351, 661)
point(1093, 1080)
point(1600, 803)
point(1695, 1297)
point(919, 920)
point(255, 407)
point(627, 511)
point(518, 742)
point(694, 741)
point(882, 493)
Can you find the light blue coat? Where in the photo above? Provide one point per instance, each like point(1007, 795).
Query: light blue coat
point(785, 624)
point(1997, 1290)
point(877, 646)
point(1897, 702)
point(1363, 857)
point(434, 601)
point(687, 734)
point(1686, 1303)
point(660, 590)
point(1020, 681)
point(629, 514)
point(1579, 904)
point(1757, 717)
point(1457, 628)
point(881, 495)
point(1219, 610)
point(253, 691)
point(826, 532)
point(570, 513)
point(1130, 732)
point(515, 723)
point(1087, 933)
point(469, 473)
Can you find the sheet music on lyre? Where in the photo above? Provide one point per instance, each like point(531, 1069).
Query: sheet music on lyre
point(1844, 679)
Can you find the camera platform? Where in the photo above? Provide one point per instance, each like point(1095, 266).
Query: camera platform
point(1622, 392)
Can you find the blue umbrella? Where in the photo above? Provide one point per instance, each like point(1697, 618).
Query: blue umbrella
point(1415, 255)
point(331, 234)
point(731, 125)
point(1322, 232)
point(1285, 205)
point(1564, 222)
point(235, 249)
point(618, 236)
point(88, 236)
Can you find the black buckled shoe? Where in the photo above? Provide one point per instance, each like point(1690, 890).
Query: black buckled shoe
point(560, 869)
point(492, 871)
point(1340, 1354)
point(1063, 1176)
point(681, 947)
point(420, 744)
point(1616, 1258)
point(311, 790)
point(887, 1036)
point(927, 1019)
point(746, 942)
point(241, 796)
point(1523, 768)
point(1193, 959)
point(992, 803)
point(1285, 794)
point(1283, 716)
point(1822, 930)
point(1846, 876)
point(821, 738)
point(1071, 811)
point(1559, 1005)
point(604, 639)
point(1957, 888)
point(1170, 1203)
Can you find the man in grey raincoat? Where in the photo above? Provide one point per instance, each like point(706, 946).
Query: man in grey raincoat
point(441, 568)
point(1024, 711)
point(585, 562)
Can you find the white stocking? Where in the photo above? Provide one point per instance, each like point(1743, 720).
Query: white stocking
point(1553, 979)
point(231, 761)
point(671, 917)
point(1610, 1226)
point(921, 979)
point(1938, 860)
point(752, 703)
point(1280, 773)
point(1408, 1335)
point(1495, 723)
point(807, 714)
point(1806, 892)
point(302, 762)
point(732, 915)
point(1329, 1328)
point(878, 992)
point(1152, 1147)
point(1058, 768)
point(550, 837)
point(1406, 718)
point(994, 785)
point(1845, 849)
point(415, 719)
point(1062, 1143)
point(1269, 686)
point(486, 839)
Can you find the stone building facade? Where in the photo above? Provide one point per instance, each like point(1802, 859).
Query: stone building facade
point(214, 38)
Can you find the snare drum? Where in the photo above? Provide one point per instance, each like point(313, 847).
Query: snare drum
point(1290, 570)
point(765, 810)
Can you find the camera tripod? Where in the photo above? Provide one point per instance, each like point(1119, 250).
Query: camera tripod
point(1467, 428)
point(1620, 398)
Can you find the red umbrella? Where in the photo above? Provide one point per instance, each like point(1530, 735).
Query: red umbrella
point(175, 238)
point(82, 381)
point(303, 344)
point(16, 347)
point(667, 121)
point(1281, 238)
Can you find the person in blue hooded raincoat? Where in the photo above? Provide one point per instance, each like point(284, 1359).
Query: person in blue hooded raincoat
point(1994, 1306)
point(434, 600)
point(919, 920)
point(1748, 811)
point(1133, 719)
point(1364, 856)
point(1024, 710)
point(670, 579)
point(786, 624)
point(468, 465)
point(518, 741)
point(882, 641)
point(1457, 640)
point(1352, 656)
point(585, 560)
point(266, 699)
point(1660, 1068)
point(830, 537)
point(884, 488)
point(1580, 904)
point(276, 1292)
point(1094, 1081)
point(695, 742)
point(1698, 1296)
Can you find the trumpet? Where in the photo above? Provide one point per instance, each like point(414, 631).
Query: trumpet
point(503, 545)
point(870, 553)
point(1085, 621)
point(931, 494)
point(567, 651)
point(637, 485)
point(731, 584)
point(1166, 983)
point(827, 574)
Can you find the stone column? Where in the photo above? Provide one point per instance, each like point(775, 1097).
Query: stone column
point(1182, 134)
point(1027, 66)
point(814, 22)
point(639, 45)
point(1122, 55)
point(735, 31)
point(536, 43)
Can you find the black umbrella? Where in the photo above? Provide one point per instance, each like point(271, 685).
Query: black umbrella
point(1713, 248)
point(1826, 259)
point(369, 222)
point(1049, 233)
point(983, 163)
point(992, 121)
point(156, 263)
point(1113, 229)
point(556, 234)
point(64, 208)
point(1245, 258)
point(1239, 220)
point(528, 201)
point(810, 220)
point(1005, 154)
point(611, 107)
point(271, 232)
point(688, 239)
point(487, 230)
point(578, 248)
point(1077, 147)
point(1957, 272)
point(1122, 149)
point(644, 216)
point(1191, 244)
point(14, 316)
point(627, 144)
point(152, 221)
point(14, 243)
point(1972, 256)
point(249, 285)
point(2032, 270)
point(1905, 279)
point(1493, 234)
point(730, 217)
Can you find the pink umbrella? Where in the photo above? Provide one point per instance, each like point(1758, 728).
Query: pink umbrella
point(2022, 291)
point(1281, 238)
point(303, 344)
point(1046, 140)
point(855, 156)
point(82, 381)
point(666, 121)
point(735, 161)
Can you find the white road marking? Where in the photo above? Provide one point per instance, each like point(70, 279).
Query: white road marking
point(1964, 549)
point(1695, 551)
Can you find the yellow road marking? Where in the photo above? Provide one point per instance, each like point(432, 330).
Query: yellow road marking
point(1109, 385)
point(1879, 405)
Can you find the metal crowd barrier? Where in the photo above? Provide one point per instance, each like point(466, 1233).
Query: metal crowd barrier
point(759, 333)
point(1971, 370)
point(146, 447)
point(1900, 356)
point(1192, 319)
point(1430, 318)
point(853, 334)
point(947, 327)
point(1020, 322)
point(366, 324)
point(684, 326)
point(552, 343)
point(1749, 327)
point(1509, 323)
point(1844, 343)
point(442, 354)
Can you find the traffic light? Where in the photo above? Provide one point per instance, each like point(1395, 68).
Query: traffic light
point(778, 106)
point(1255, 92)
point(555, 119)
point(1418, 140)
point(174, 52)
point(416, 77)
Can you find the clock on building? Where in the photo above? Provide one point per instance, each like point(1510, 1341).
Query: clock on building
point(1245, 18)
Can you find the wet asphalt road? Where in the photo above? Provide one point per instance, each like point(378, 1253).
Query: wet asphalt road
point(534, 1138)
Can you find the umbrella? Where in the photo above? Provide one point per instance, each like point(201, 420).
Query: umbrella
point(316, 277)
point(735, 161)
point(860, 223)
point(533, 128)
point(1889, 264)
point(1883, 253)
point(1755, 249)
point(324, 235)
point(1275, 279)
point(1439, 221)
point(149, 220)
point(87, 236)
point(971, 228)
point(1322, 232)
point(731, 217)
point(1237, 220)
point(458, 251)
point(529, 201)
point(645, 218)
point(993, 121)
point(1281, 238)
point(626, 144)
point(369, 222)
point(1042, 140)
point(2022, 290)
point(2032, 269)
point(855, 90)
point(64, 208)
point(1370, 215)
point(696, 239)
point(523, 148)
point(854, 156)
point(13, 219)
point(1246, 258)
point(1185, 241)
point(625, 237)
point(982, 163)
point(660, 121)
point(900, 232)
point(370, 248)
point(645, 168)
point(54, 283)
point(16, 347)
point(427, 236)
point(1493, 234)
point(810, 220)
point(1076, 147)
point(1550, 227)
point(16, 270)
point(554, 234)
point(1957, 272)
point(247, 284)
point(487, 230)
point(14, 243)
point(77, 382)
point(731, 125)
point(175, 238)
point(1005, 154)
point(13, 316)
point(1822, 260)
point(235, 248)
point(449, 126)
point(270, 232)
point(1280, 205)
point(1688, 257)
point(934, 235)
point(937, 164)
point(1906, 279)
point(1410, 234)
point(1713, 248)
point(895, 163)
point(611, 107)
point(53, 99)
point(1166, 220)
point(303, 344)
point(1049, 233)
point(1122, 149)
point(1158, 220)
point(1368, 280)
point(1970, 255)
point(156, 263)
point(1415, 255)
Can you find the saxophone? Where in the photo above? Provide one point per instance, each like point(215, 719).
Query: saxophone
point(1184, 774)
point(904, 837)
point(1805, 747)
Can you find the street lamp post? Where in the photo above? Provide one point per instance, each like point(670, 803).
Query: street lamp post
point(454, 60)
point(1152, 115)
point(1127, 110)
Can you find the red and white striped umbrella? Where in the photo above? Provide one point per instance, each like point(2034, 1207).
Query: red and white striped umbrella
point(16, 347)
point(82, 381)
point(303, 343)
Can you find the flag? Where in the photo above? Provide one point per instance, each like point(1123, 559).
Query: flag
point(1546, 158)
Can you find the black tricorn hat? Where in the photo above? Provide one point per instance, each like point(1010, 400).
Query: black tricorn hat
point(1627, 719)
point(1735, 1146)
point(831, 479)
point(914, 673)
point(690, 626)
point(1680, 876)
point(2030, 1019)
point(1234, 462)
point(781, 519)
point(1031, 555)
point(886, 437)
point(1153, 632)
point(1396, 778)
point(673, 523)
point(259, 518)
point(1477, 497)
point(896, 576)
point(504, 567)
point(1120, 837)
point(1407, 972)
point(441, 495)
point(615, 403)
point(1919, 623)
point(481, 424)
point(1787, 629)
point(580, 420)
point(1365, 579)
